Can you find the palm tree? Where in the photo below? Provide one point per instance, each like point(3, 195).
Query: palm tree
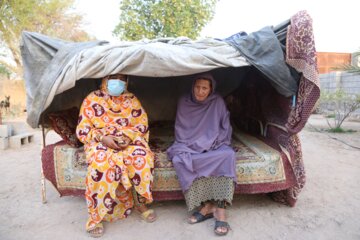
point(352, 68)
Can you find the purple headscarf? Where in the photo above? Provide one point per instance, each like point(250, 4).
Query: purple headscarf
point(201, 127)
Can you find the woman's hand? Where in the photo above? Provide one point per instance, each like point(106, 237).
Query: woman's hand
point(110, 142)
point(123, 141)
point(117, 143)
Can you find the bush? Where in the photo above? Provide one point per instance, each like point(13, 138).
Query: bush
point(341, 105)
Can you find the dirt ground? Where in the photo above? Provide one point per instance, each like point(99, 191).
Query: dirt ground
point(328, 207)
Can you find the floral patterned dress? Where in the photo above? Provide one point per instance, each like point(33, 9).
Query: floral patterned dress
point(112, 175)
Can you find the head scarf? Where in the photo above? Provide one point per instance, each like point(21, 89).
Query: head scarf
point(201, 126)
point(202, 138)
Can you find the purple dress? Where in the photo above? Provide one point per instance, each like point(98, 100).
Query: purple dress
point(202, 139)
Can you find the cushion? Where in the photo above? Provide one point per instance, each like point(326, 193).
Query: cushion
point(64, 123)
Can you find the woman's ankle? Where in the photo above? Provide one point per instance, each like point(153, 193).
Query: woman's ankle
point(207, 208)
point(220, 214)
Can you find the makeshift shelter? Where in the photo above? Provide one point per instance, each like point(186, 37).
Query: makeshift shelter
point(268, 78)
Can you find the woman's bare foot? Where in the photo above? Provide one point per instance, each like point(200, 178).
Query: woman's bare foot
point(222, 228)
point(147, 214)
point(97, 232)
point(206, 211)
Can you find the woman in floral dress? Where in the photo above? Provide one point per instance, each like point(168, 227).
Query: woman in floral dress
point(114, 129)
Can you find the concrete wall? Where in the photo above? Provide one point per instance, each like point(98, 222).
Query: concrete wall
point(348, 82)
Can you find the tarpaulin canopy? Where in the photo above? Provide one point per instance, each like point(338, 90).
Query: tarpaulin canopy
point(52, 67)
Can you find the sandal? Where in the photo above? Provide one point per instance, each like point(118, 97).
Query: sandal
point(200, 218)
point(97, 231)
point(219, 224)
point(148, 216)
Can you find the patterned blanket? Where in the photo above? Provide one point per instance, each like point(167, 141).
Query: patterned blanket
point(257, 163)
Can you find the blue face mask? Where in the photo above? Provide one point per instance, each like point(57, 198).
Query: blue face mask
point(115, 87)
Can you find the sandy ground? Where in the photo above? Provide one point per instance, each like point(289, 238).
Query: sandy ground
point(328, 207)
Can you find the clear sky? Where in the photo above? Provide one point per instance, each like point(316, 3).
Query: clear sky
point(336, 23)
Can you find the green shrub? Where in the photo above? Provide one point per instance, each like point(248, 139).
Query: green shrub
point(341, 105)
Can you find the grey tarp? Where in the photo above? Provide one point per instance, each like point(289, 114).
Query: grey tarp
point(263, 50)
point(52, 66)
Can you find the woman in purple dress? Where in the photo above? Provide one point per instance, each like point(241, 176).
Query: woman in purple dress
point(201, 154)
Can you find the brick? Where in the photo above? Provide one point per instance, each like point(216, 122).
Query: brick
point(21, 139)
point(5, 130)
